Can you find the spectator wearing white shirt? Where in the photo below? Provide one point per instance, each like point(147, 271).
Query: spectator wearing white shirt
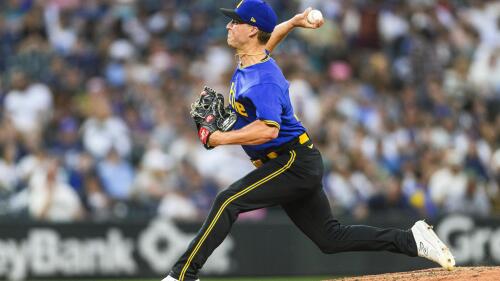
point(29, 106)
point(449, 181)
point(61, 34)
point(52, 199)
point(304, 100)
point(33, 161)
point(102, 131)
point(180, 202)
point(339, 187)
point(178, 206)
point(154, 179)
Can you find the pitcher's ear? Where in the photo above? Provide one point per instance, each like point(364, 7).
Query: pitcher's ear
point(254, 31)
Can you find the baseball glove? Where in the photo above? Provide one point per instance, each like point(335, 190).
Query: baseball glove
point(210, 115)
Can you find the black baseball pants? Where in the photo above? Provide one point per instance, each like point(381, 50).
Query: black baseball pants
point(292, 180)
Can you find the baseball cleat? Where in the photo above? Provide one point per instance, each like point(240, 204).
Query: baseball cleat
point(170, 278)
point(429, 245)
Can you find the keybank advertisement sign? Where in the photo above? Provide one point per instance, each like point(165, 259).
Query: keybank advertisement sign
point(99, 250)
point(148, 249)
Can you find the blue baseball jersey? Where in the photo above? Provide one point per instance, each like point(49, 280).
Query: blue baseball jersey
point(260, 91)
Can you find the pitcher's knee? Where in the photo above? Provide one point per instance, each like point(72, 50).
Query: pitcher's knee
point(225, 199)
point(222, 197)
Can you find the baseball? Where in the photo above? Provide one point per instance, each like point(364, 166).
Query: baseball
point(314, 16)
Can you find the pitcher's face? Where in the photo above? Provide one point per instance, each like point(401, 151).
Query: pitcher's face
point(238, 33)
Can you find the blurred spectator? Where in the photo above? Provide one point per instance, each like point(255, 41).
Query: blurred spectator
point(103, 132)
point(415, 189)
point(8, 170)
point(192, 196)
point(29, 105)
point(449, 182)
point(392, 198)
point(61, 35)
point(116, 175)
point(342, 194)
point(385, 88)
point(83, 177)
point(35, 156)
point(495, 163)
point(474, 164)
point(67, 144)
point(176, 203)
point(304, 100)
point(201, 190)
point(154, 179)
point(50, 198)
point(474, 201)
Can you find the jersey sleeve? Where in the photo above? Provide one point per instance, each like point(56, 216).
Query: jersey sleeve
point(267, 101)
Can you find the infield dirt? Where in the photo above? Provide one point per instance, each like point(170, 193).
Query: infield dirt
point(435, 274)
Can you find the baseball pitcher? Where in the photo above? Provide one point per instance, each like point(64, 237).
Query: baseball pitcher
point(289, 170)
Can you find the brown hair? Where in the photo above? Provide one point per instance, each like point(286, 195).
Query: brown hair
point(263, 37)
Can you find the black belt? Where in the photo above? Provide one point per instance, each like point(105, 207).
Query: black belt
point(303, 139)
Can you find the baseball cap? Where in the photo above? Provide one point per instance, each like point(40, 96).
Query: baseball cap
point(253, 12)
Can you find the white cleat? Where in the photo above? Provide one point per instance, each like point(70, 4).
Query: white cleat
point(170, 278)
point(429, 245)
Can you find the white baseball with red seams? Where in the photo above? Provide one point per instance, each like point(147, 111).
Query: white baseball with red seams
point(314, 16)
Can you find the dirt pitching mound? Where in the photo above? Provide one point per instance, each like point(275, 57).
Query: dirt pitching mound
point(436, 274)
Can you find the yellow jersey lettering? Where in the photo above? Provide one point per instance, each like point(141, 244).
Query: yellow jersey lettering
point(236, 105)
point(231, 95)
point(240, 109)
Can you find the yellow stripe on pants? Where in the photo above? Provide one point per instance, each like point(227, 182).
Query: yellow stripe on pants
point(227, 202)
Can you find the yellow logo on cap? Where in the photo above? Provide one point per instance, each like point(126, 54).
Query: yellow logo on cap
point(237, 6)
point(253, 19)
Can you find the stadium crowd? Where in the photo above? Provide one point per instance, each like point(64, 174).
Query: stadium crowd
point(402, 97)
